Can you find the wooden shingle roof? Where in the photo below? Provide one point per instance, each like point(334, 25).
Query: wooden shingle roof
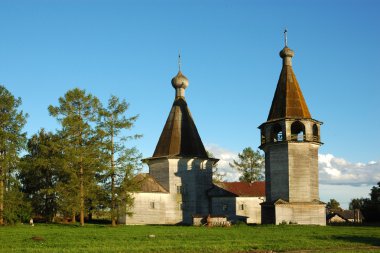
point(288, 100)
point(147, 183)
point(180, 136)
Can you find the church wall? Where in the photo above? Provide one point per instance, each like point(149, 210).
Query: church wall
point(303, 172)
point(149, 208)
point(251, 208)
point(159, 169)
point(194, 176)
point(301, 213)
point(276, 168)
point(224, 206)
point(238, 208)
point(187, 181)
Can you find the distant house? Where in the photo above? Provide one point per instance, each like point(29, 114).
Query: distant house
point(239, 201)
point(338, 216)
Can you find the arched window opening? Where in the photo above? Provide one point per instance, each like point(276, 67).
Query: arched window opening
point(277, 134)
point(315, 133)
point(263, 137)
point(298, 131)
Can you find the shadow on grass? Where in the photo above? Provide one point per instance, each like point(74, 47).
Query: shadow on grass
point(373, 241)
point(352, 224)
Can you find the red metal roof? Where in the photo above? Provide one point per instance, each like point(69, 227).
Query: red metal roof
point(244, 189)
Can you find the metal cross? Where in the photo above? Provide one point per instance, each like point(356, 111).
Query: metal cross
point(179, 60)
point(286, 37)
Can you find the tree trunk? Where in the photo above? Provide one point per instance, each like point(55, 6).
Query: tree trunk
point(73, 218)
point(81, 195)
point(113, 200)
point(1, 197)
point(113, 204)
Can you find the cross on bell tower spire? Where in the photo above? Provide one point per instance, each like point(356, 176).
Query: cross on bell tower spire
point(286, 37)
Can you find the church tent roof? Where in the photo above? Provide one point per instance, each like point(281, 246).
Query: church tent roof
point(288, 100)
point(180, 137)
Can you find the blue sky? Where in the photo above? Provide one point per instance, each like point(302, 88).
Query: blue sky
point(230, 56)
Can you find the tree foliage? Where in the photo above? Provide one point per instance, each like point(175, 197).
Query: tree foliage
point(12, 141)
point(77, 113)
point(85, 166)
point(371, 206)
point(17, 209)
point(120, 162)
point(333, 205)
point(357, 203)
point(250, 164)
point(41, 171)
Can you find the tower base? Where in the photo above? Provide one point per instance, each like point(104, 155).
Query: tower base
point(303, 213)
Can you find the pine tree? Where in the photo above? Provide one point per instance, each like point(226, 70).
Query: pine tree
point(41, 171)
point(12, 141)
point(77, 113)
point(120, 162)
point(250, 165)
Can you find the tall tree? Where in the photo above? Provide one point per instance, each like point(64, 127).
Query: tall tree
point(375, 193)
point(333, 205)
point(356, 204)
point(250, 164)
point(12, 141)
point(77, 113)
point(371, 207)
point(120, 161)
point(41, 171)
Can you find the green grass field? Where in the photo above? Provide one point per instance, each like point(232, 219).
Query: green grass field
point(103, 238)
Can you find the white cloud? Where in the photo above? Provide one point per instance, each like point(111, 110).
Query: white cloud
point(338, 178)
point(338, 171)
point(332, 170)
point(226, 157)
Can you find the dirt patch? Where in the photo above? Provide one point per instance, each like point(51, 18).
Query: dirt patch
point(38, 238)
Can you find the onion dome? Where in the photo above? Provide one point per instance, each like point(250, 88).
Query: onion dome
point(180, 81)
point(286, 52)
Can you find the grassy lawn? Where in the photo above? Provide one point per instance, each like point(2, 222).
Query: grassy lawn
point(103, 238)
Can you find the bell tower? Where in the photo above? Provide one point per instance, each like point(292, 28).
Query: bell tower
point(290, 139)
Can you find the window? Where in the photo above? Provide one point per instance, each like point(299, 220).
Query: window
point(298, 131)
point(225, 207)
point(152, 205)
point(262, 136)
point(179, 189)
point(241, 207)
point(277, 133)
point(315, 133)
